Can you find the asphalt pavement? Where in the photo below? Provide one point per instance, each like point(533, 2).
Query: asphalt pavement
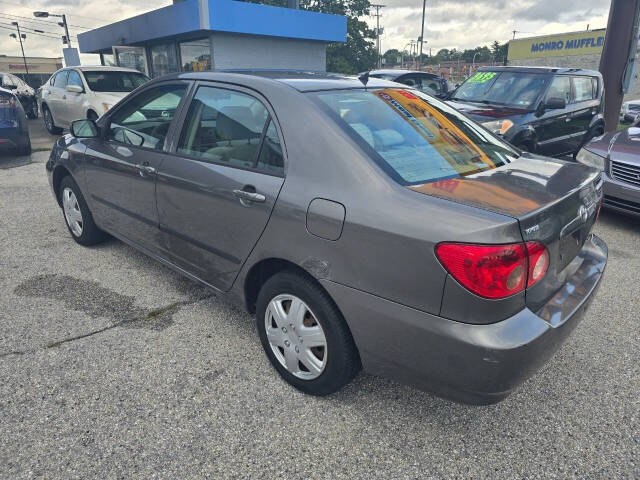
point(114, 367)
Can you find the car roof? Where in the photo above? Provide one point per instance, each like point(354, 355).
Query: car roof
point(303, 81)
point(398, 72)
point(102, 68)
point(525, 69)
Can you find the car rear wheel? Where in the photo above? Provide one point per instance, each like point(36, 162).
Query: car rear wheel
point(77, 215)
point(32, 111)
point(48, 121)
point(304, 335)
point(25, 149)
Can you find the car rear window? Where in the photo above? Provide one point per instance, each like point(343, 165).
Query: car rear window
point(415, 138)
point(110, 81)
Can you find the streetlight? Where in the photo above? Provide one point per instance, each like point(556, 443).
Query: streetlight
point(63, 23)
point(473, 62)
point(20, 37)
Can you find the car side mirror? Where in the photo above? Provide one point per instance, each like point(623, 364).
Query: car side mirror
point(74, 88)
point(84, 129)
point(555, 103)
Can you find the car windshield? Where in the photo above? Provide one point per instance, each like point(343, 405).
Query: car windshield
point(415, 138)
point(110, 81)
point(513, 89)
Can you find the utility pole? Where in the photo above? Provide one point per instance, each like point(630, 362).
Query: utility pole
point(424, 6)
point(614, 62)
point(378, 6)
point(20, 37)
point(63, 24)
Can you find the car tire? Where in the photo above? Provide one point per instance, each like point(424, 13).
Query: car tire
point(25, 149)
point(33, 109)
point(77, 215)
point(48, 121)
point(329, 360)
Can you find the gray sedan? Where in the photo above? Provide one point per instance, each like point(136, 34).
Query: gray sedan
point(617, 155)
point(364, 223)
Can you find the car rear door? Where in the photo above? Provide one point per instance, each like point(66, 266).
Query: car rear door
point(71, 107)
point(584, 107)
point(55, 100)
point(553, 128)
point(121, 165)
point(216, 192)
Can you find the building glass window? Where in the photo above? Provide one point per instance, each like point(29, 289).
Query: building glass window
point(195, 55)
point(108, 60)
point(164, 59)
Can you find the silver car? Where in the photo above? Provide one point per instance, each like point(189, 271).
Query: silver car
point(364, 223)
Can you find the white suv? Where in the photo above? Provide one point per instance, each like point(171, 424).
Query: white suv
point(84, 92)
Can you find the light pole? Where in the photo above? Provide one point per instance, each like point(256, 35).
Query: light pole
point(63, 23)
point(424, 6)
point(20, 37)
point(378, 6)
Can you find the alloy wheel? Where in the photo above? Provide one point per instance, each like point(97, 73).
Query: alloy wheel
point(296, 337)
point(72, 212)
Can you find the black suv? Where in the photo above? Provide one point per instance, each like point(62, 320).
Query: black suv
point(550, 111)
point(24, 92)
point(427, 82)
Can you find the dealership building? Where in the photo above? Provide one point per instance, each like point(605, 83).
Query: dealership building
point(40, 68)
point(196, 35)
point(568, 50)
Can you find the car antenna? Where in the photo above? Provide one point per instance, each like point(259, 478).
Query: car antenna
point(364, 78)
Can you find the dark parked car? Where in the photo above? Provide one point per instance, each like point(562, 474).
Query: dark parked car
point(14, 130)
point(423, 81)
point(550, 111)
point(368, 226)
point(24, 92)
point(617, 155)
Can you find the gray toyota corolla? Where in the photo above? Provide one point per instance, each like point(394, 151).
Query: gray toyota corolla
point(365, 224)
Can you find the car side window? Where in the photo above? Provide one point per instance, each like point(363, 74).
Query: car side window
point(583, 88)
point(7, 81)
point(560, 88)
point(431, 85)
point(270, 158)
point(412, 81)
point(224, 126)
point(74, 79)
point(61, 79)
point(52, 80)
point(144, 120)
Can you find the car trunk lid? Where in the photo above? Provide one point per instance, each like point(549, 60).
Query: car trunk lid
point(555, 203)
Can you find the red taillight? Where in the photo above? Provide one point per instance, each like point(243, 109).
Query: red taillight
point(495, 271)
point(7, 102)
point(538, 260)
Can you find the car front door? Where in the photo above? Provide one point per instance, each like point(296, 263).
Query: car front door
point(121, 165)
point(216, 192)
point(553, 127)
point(71, 108)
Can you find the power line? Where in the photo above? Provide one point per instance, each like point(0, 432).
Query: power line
point(48, 22)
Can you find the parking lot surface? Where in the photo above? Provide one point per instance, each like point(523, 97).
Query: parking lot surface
point(114, 367)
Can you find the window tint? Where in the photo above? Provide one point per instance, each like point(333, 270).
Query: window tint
point(431, 85)
point(224, 126)
point(560, 88)
point(74, 78)
point(270, 159)
point(503, 88)
point(144, 120)
point(415, 138)
point(110, 81)
point(583, 88)
point(61, 79)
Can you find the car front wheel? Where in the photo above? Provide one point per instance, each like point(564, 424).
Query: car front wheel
point(304, 335)
point(48, 121)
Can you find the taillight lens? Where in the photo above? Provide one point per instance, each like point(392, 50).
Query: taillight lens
point(7, 102)
point(538, 259)
point(495, 271)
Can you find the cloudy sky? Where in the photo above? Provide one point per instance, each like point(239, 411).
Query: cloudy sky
point(449, 23)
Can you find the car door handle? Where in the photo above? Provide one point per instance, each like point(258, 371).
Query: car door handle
point(246, 196)
point(146, 169)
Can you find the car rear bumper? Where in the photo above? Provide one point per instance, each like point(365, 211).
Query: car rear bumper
point(11, 138)
point(621, 197)
point(478, 364)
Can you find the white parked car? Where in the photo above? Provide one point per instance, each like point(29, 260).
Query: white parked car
point(75, 93)
point(630, 110)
